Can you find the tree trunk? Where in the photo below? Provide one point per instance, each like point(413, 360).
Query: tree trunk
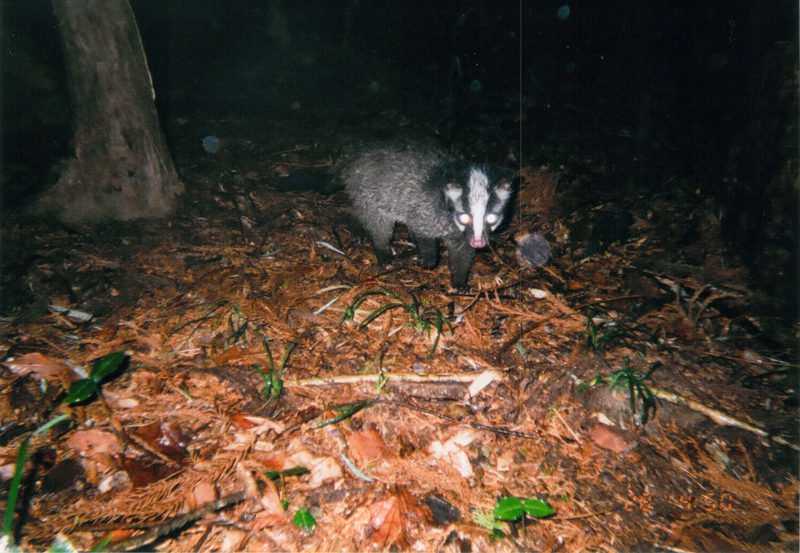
point(122, 169)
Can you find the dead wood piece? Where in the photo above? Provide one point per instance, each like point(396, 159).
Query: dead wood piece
point(719, 417)
point(374, 378)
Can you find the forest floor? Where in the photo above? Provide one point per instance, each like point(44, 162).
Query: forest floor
point(629, 384)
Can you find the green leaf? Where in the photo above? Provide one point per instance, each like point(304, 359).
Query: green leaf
point(277, 387)
point(80, 390)
point(269, 384)
point(350, 311)
point(294, 471)
point(363, 295)
point(304, 520)
point(262, 375)
point(49, 424)
point(22, 456)
point(269, 355)
point(102, 545)
point(508, 508)
point(345, 412)
point(378, 312)
point(382, 380)
point(537, 508)
point(106, 365)
point(598, 379)
point(286, 353)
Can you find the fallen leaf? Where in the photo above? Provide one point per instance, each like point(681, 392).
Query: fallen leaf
point(202, 494)
point(165, 439)
point(452, 451)
point(92, 443)
point(324, 469)
point(276, 462)
point(43, 367)
point(368, 446)
point(609, 438)
point(260, 425)
point(230, 356)
point(394, 517)
point(273, 513)
point(483, 380)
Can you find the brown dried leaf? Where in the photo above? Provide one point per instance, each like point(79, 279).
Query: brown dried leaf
point(273, 513)
point(202, 493)
point(92, 443)
point(144, 472)
point(276, 462)
point(115, 536)
point(230, 356)
point(166, 440)
point(258, 425)
point(44, 367)
point(394, 517)
point(609, 438)
point(324, 469)
point(367, 446)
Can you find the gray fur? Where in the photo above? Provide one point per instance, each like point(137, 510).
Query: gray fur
point(421, 188)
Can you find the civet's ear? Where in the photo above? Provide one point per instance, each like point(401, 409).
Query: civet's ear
point(502, 176)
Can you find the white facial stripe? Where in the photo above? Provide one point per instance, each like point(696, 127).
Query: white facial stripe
point(503, 193)
point(478, 200)
point(454, 193)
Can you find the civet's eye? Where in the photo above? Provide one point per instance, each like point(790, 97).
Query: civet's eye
point(464, 218)
point(492, 218)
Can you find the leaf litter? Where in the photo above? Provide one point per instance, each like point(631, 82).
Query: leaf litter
point(174, 454)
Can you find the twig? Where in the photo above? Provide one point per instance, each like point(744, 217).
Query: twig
point(178, 522)
point(674, 549)
point(754, 361)
point(589, 515)
point(371, 378)
point(486, 291)
point(719, 417)
point(574, 436)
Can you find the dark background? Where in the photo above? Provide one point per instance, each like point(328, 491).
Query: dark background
point(695, 101)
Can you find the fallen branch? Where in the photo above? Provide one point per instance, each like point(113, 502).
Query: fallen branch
point(719, 417)
point(373, 378)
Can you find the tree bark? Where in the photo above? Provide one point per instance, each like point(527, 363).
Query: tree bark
point(122, 169)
